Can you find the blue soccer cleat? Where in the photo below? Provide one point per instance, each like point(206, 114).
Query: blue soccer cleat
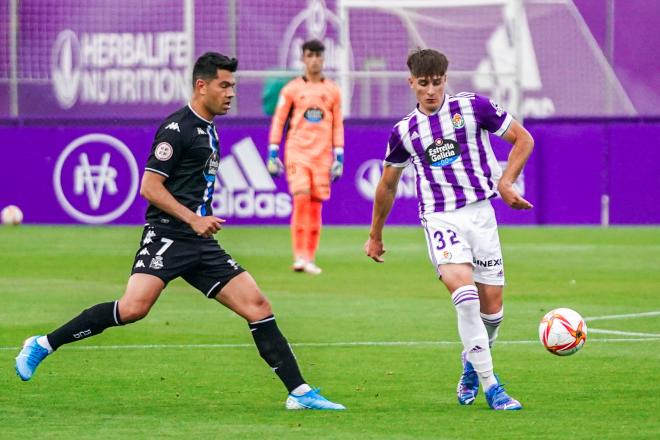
point(311, 400)
point(29, 358)
point(499, 400)
point(468, 384)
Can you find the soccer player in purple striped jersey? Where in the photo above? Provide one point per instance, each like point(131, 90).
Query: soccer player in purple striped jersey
point(446, 140)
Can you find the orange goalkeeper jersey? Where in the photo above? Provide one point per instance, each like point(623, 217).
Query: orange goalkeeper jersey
point(315, 121)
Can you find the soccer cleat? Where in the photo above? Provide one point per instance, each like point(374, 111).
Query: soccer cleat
point(311, 400)
point(29, 358)
point(312, 268)
point(299, 264)
point(499, 400)
point(468, 384)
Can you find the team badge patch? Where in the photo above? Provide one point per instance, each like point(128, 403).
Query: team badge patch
point(156, 262)
point(446, 255)
point(457, 121)
point(442, 152)
point(163, 151)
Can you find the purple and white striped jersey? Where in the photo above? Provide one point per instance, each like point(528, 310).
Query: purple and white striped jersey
point(450, 151)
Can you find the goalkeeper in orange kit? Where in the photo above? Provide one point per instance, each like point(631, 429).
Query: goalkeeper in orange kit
point(314, 150)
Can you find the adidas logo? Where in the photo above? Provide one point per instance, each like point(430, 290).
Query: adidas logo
point(200, 131)
point(414, 136)
point(173, 126)
point(140, 263)
point(477, 349)
point(244, 187)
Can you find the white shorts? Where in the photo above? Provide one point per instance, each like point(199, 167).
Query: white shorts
point(466, 235)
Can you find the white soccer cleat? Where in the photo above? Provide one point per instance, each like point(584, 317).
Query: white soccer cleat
point(312, 268)
point(299, 264)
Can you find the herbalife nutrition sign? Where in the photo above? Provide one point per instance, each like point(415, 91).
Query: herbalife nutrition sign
point(120, 68)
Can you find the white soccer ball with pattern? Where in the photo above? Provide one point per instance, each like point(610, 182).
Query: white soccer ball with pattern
point(11, 215)
point(562, 331)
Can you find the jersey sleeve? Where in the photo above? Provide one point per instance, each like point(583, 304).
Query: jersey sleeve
point(284, 103)
point(166, 150)
point(396, 154)
point(491, 116)
point(337, 121)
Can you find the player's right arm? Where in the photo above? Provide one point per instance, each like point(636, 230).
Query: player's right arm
point(383, 201)
point(152, 188)
point(166, 151)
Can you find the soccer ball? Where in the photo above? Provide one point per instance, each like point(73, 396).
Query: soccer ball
point(11, 215)
point(562, 331)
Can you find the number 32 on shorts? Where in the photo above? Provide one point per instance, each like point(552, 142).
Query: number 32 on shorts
point(441, 239)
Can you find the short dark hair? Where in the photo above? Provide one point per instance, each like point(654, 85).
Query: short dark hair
point(313, 46)
point(424, 63)
point(206, 66)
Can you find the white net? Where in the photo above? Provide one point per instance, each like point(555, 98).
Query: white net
point(535, 57)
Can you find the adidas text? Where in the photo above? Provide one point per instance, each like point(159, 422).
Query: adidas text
point(248, 203)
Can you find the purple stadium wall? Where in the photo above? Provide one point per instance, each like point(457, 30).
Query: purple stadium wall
point(68, 172)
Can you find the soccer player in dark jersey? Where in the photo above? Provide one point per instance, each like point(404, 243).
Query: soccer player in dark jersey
point(178, 240)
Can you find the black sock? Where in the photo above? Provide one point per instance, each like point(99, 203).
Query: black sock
point(90, 322)
point(275, 350)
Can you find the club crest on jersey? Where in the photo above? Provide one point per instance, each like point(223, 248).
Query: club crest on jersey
point(156, 262)
point(163, 151)
point(442, 152)
point(314, 114)
point(457, 121)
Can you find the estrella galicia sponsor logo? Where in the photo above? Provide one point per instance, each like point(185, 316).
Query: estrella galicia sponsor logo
point(487, 263)
point(368, 176)
point(95, 178)
point(314, 114)
point(442, 152)
point(245, 189)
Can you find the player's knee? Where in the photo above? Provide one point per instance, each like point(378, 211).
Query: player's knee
point(133, 311)
point(261, 307)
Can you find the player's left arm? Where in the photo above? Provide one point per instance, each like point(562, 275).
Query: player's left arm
point(523, 144)
point(337, 137)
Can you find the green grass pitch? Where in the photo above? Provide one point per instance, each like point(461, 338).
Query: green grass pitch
point(189, 370)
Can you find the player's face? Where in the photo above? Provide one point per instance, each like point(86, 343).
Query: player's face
point(219, 92)
point(429, 91)
point(313, 62)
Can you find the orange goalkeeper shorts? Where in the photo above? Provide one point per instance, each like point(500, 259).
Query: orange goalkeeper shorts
point(303, 178)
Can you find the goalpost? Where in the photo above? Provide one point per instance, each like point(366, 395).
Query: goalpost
point(483, 39)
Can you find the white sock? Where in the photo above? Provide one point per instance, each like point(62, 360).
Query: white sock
point(473, 333)
point(492, 323)
point(43, 341)
point(301, 389)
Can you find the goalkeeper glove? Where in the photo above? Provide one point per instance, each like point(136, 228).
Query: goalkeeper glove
point(338, 165)
point(274, 165)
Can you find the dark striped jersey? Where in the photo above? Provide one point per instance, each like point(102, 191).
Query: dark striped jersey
point(185, 151)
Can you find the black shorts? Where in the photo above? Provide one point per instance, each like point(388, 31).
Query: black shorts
point(169, 254)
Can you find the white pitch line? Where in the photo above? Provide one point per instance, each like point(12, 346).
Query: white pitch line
point(618, 332)
point(325, 344)
point(629, 315)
